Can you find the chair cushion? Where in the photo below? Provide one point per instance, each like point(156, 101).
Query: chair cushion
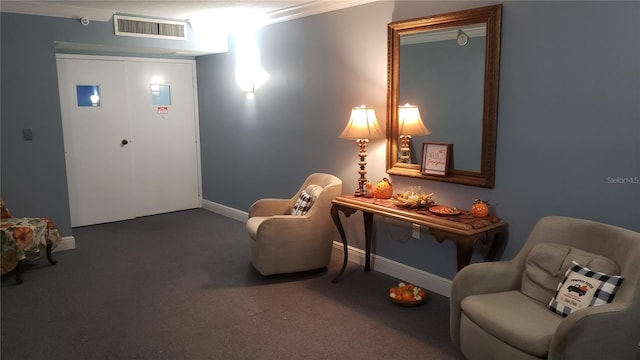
point(547, 264)
point(514, 318)
point(583, 287)
point(303, 204)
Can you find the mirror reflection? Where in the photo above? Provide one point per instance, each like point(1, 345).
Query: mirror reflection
point(442, 73)
point(447, 66)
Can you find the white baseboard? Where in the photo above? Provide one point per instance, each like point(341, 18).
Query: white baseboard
point(437, 284)
point(415, 276)
point(67, 243)
point(224, 210)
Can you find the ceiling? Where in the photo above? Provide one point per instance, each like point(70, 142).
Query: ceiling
point(270, 10)
point(224, 13)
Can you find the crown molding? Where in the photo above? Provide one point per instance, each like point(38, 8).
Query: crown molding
point(55, 10)
point(42, 8)
point(311, 8)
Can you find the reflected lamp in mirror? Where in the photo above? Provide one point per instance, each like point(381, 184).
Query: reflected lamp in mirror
point(409, 123)
point(362, 126)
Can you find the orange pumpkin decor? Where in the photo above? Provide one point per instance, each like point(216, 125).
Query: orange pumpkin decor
point(480, 208)
point(383, 189)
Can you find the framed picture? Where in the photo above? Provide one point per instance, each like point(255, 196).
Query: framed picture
point(435, 158)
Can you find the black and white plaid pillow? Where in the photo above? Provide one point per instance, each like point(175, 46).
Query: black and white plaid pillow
point(583, 287)
point(303, 204)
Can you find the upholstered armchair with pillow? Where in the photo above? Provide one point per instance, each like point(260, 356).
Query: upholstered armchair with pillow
point(572, 292)
point(296, 234)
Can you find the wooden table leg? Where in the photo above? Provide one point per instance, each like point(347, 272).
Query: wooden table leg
point(464, 244)
point(464, 250)
point(497, 237)
point(335, 209)
point(368, 226)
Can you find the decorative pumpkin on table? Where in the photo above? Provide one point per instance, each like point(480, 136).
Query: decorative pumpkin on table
point(383, 189)
point(480, 208)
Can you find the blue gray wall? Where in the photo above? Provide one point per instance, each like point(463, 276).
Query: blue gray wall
point(568, 126)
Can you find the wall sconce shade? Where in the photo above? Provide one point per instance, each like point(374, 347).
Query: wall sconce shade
point(409, 123)
point(362, 126)
point(249, 72)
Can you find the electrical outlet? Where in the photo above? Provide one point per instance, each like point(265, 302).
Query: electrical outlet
point(27, 134)
point(415, 231)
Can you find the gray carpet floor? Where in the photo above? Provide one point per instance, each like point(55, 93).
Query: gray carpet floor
point(180, 286)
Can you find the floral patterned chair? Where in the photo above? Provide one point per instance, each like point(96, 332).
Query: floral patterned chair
point(25, 239)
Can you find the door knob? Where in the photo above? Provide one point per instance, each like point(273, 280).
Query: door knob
point(124, 142)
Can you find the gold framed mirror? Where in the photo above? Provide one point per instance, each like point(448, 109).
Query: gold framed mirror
point(448, 65)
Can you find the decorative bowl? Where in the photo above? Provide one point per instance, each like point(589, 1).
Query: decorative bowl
point(416, 201)
point(407, 303)
point(444, 210)
point(406, 294)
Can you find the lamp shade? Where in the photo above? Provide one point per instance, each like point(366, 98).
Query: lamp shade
point(410, 122)
point(362, 125)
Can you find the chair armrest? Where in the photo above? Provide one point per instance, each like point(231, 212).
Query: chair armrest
point(607, 331)
point(269, 207)
point(484, 278)
point(271, 228)
point(480, 278)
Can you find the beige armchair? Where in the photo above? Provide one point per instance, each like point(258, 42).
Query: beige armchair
point(283, 243)
point(499, 310)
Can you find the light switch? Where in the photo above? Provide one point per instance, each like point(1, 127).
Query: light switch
point(27, 134)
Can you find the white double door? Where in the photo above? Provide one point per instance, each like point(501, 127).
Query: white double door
point(131, 154)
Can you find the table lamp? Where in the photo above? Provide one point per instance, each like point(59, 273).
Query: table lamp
point(362, 126)
point(409, 123)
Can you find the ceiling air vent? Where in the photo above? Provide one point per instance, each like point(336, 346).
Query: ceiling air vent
point(152, 28)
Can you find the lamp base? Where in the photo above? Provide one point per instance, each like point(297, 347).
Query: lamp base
point(362, 153)
point(405, 156)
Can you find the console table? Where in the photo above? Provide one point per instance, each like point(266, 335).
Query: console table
point(463, 229)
